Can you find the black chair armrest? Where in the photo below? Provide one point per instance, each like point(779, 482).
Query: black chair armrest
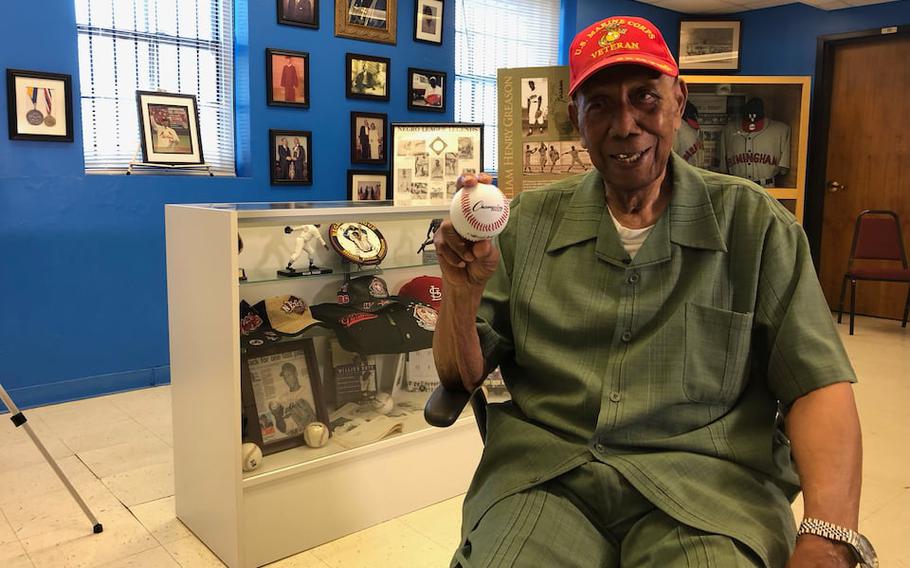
point(445, 406)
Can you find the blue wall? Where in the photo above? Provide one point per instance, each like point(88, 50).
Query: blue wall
point(82, 268)
point(589, 11)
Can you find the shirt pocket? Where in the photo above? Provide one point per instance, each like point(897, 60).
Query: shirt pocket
point(717, 350)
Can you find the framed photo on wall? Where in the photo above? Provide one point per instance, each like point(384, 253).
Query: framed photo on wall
point(368, 185)
point(709, 45)
point(169, 128)
point(426, 90)
point(39, 106)
point(427, 159)
point(368, 137)
point(291, 154)
point(304, 13)
point(428, 21)
point(288, 78)
point(368, 20)
point(367, 77)
point(282, 393)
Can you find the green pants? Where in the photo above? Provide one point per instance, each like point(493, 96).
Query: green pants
point(591, 517)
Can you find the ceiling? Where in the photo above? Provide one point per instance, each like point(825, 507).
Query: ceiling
point(730, 6)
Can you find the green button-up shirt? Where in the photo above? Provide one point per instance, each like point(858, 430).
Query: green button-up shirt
point(669, 367)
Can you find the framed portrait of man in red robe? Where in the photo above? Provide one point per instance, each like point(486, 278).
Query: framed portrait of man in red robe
point(288, 78)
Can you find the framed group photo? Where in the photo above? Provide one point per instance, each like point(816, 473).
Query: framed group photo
point(304, 13)
point(368, 185)
point(169, 128)
point(291, 157)
point(428, 158)
point(39, 106)
point(368, 137)
point(367, 77)
point(368, 20)
point(428, 21)
point(427, 90)
point(709, 45)
point(288, 78)
point(282, 394)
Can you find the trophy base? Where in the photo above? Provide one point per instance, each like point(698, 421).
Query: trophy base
point(291, 273)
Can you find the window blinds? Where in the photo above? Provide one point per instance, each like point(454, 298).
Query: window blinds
point(175, 46)
point(493, 34)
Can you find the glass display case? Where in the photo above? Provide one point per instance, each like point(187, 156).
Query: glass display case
point(305, 329)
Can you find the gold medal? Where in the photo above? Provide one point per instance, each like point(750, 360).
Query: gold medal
point(50, 120)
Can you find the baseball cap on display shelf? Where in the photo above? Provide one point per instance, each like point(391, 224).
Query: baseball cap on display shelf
point(286, 314)
point(365, 293)
point(398, 327)
point(618, 40)
point(425, 289)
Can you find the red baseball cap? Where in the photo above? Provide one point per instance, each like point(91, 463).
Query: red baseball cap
point(614, 41)
point(424, 289)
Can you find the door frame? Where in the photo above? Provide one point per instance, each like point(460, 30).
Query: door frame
point(819, 121)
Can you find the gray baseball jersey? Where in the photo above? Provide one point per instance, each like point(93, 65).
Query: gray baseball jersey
point(758, 155)
point(689, 145)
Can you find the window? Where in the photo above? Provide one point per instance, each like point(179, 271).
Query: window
point(490, 34)
point(168, 45)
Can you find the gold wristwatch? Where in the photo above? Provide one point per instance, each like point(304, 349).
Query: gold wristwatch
point(857, 543)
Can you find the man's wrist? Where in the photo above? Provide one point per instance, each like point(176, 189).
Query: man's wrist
point(838, 552)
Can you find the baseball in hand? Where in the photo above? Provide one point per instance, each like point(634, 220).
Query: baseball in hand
point(480, 212)
point(316, 434)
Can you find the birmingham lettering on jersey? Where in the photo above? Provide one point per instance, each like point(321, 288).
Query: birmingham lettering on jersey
point(692, 150)
point(752, 158)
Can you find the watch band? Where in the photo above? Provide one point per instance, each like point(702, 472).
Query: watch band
point(858, 544)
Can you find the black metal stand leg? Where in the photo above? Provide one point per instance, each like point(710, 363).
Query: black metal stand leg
point(852, 304)
point(906, 309)
point(840, 303)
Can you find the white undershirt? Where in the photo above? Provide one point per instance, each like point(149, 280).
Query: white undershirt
point(632, 239)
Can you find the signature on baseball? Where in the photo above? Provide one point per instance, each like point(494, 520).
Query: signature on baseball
point(481, 205)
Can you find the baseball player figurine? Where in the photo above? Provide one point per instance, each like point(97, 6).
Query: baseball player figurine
point(689, 142)
point(756, 147)
point(307, 238)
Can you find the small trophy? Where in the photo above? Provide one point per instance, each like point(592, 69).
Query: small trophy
point(307, 238)
point(429, 254)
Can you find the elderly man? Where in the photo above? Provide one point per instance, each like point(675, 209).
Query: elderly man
point(667, 347)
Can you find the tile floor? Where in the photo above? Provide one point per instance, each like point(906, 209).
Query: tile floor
point(116, 451)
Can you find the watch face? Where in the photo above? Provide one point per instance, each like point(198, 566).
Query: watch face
point(866, 553)
point(358, 242)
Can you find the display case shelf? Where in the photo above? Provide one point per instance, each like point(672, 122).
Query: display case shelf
point(350, 270)
point(252, 519)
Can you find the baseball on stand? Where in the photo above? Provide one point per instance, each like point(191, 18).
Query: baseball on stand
point(479, 212)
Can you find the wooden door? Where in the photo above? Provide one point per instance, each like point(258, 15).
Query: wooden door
point(869, 159)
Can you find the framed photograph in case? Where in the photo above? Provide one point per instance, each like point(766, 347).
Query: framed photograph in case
point(428, 21)
point(169, 128)
point(39, 106)
point(368, 185)
point(282, 393)
point(368, 20)
point(428, 158)
point(368, 137)
point(426, 90)
point(709, 45)
point(367, 77)
point(287, 78)
point(291, 154)
point(303, 13)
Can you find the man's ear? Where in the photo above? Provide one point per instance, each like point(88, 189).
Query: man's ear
point(682, 95)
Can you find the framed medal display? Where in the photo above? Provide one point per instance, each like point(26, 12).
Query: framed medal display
point(358, 242)
point(169, 128)
point(39, 106)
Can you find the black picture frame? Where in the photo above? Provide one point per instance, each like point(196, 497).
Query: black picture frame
point(48, 128)
point(183, 120)
point(276, 170)
point(702, 42)
point(362, 141)
point(418, 98)
point(356, 86)
point(270, 87)
point(280, 366)
point(424, 31)
point(297, 19)
point(358, 191)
